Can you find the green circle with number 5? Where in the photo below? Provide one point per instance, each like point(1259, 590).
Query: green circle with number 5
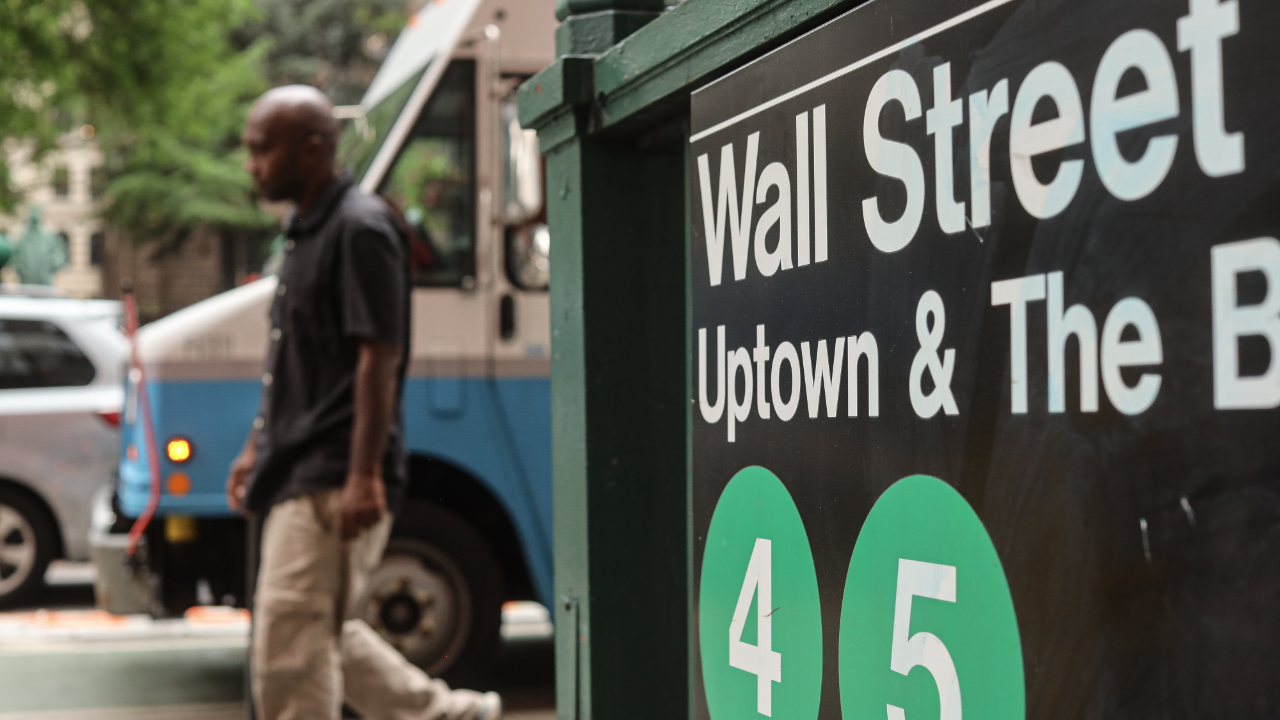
point(927, 627)
point(759, 617)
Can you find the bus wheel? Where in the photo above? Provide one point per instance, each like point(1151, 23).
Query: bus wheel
point(437, 595)
point(26, 546)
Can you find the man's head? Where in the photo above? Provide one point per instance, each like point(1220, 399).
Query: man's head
point(291, 136)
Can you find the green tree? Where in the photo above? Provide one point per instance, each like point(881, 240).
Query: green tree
point(39, 42)
point(167, 85)
point(334, 45)
point(163, 85)
point(186, 172)
point(177, 167)
point(120, 64)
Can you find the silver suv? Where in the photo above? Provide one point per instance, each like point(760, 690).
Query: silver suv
point(61, 391)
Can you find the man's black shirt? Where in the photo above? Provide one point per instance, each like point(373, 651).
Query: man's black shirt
point(345, 279)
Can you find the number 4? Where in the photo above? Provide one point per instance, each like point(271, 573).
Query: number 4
point(937, 582)
point(760, 659)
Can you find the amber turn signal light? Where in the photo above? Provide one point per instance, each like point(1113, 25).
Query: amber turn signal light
point(179, 484)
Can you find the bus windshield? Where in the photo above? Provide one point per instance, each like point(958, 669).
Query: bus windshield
point(432, 181)
point(364, 135)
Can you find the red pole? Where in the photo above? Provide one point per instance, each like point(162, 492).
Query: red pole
point(148, 429)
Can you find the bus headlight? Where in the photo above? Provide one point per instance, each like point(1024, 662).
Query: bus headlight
point(179, 450)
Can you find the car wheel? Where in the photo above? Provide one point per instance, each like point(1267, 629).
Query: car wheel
point(26, 546)
point(437, 595)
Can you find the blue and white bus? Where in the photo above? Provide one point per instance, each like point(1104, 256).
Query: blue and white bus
point(436, 135)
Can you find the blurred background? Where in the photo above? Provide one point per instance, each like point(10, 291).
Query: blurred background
point(122, 132)
point(121, 166)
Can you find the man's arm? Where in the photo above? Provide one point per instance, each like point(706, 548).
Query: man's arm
point(364, 498)
point(240, 469)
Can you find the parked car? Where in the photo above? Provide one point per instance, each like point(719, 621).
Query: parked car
point(62, 365)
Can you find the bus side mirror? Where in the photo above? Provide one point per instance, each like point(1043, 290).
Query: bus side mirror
point(522, 172)
point(528, 255)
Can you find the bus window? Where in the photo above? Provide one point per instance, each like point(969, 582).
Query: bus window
point(432, 181)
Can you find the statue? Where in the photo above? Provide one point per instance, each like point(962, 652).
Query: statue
point(39, 254)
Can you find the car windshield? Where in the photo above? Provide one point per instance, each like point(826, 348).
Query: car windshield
point(364, 135)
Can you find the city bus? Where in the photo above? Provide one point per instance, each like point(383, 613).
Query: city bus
point(436, 135)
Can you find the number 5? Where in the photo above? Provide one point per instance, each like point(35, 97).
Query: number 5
point(937, 582)
point(760, 659)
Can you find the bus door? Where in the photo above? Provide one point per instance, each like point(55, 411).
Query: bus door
point(433, 183)
point(478, 392)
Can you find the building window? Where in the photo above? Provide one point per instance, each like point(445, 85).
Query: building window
point(61, 181)
point(97, 182)
point(97, 248)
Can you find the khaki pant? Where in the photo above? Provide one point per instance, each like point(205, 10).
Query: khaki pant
point(306, 657)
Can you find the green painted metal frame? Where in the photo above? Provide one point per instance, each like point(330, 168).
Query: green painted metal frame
point(612, 120)
point(654, 69)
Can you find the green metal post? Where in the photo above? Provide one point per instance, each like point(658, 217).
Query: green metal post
point(618, 409)
point(618, 416)
point(612, 120)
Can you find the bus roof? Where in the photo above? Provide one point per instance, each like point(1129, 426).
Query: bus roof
point(432, 29)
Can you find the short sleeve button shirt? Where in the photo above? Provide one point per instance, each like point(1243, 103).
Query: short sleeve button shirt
point(344, 280)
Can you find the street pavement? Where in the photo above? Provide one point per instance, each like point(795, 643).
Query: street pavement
point(66, 661)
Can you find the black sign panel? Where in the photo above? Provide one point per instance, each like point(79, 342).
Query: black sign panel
point(991, 292)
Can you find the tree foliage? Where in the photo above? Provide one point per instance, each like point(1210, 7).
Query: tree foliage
point(173, 164)
point(335, 45)
point(167, 85)
point(171, 177)
point(186, 172)
point(163, 86)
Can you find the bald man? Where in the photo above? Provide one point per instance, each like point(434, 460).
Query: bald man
point(325, 460)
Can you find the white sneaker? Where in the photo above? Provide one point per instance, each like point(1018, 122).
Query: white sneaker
point(490, 707)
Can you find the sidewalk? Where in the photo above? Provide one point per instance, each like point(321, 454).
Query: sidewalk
point(220, 711)
point(85, 664)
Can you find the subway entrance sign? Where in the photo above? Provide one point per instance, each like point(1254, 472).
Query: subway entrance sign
point(985, 363)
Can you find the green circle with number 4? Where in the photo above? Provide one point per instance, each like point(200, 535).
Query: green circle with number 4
point(927, 627)
point(759, 617)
